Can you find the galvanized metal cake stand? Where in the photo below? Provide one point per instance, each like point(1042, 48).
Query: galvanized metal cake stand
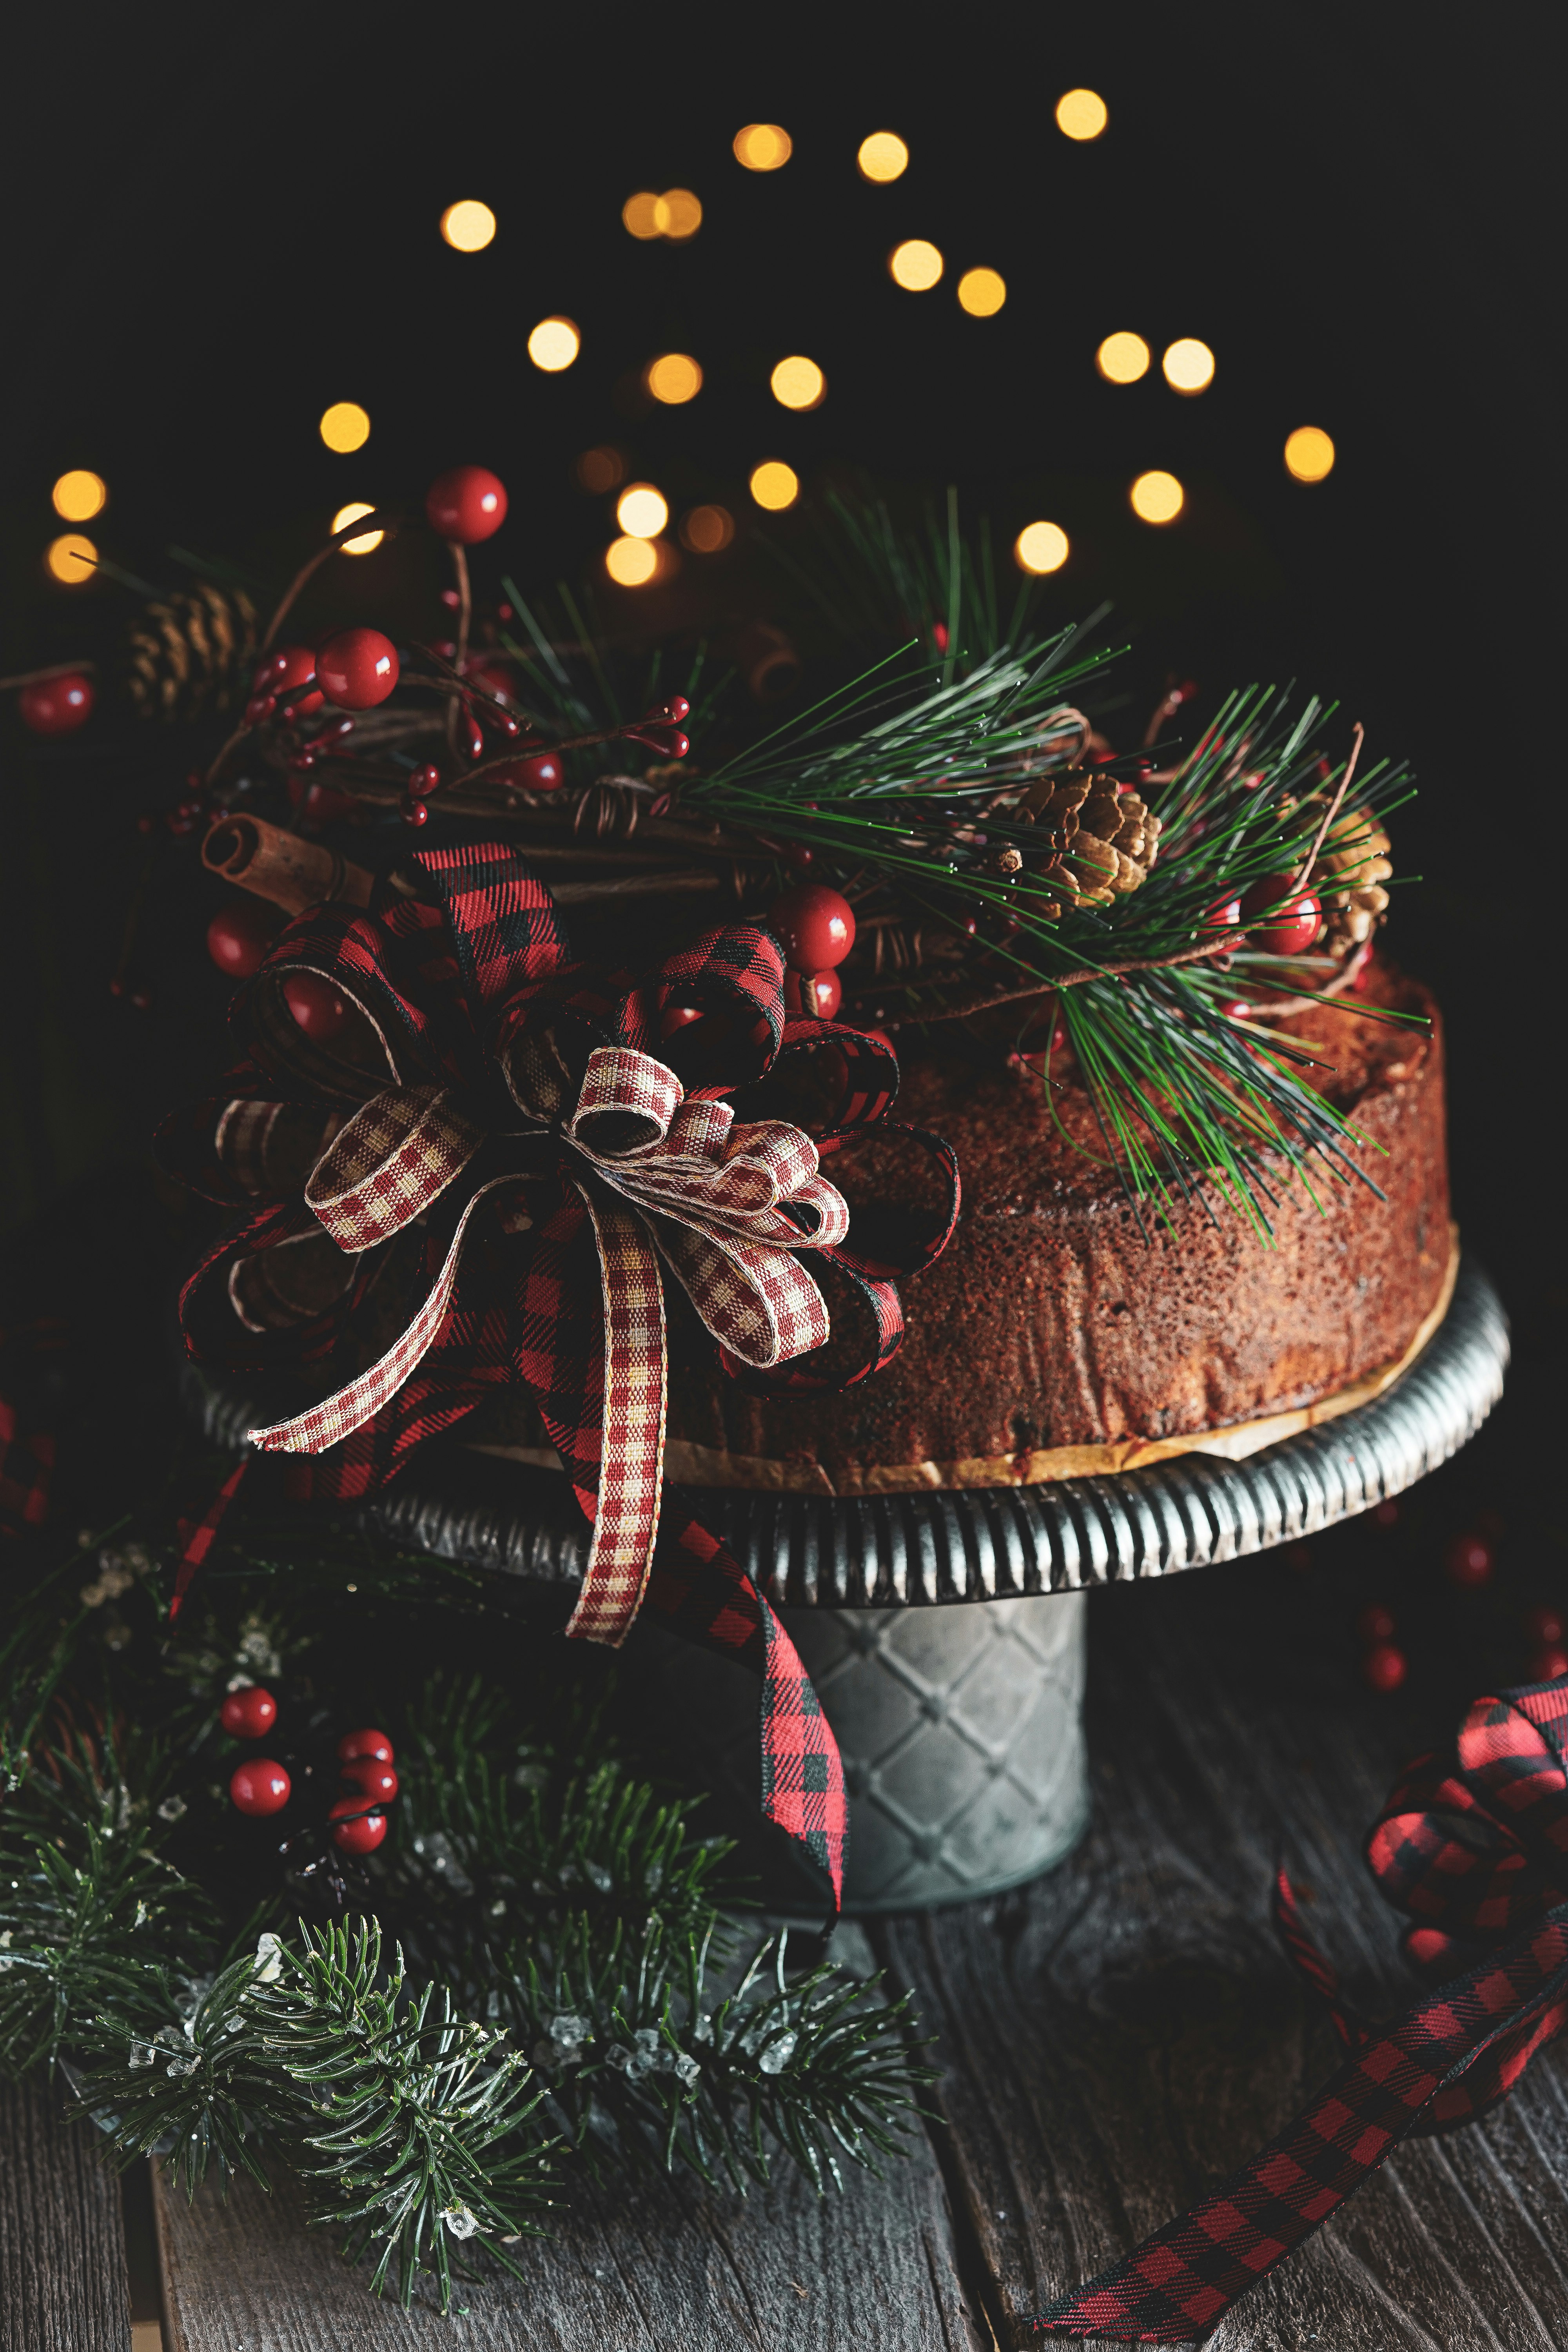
point(960, 1727)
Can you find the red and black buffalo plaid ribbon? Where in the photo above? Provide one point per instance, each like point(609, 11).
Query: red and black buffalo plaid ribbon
point(1478, 1858)
point(482, 1184)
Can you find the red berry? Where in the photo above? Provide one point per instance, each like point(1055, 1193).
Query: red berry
point(493, 678)
point(415, 813)
point(260, 1788)
point(56, 706)
point(373, 1744)
point(1469, 1560)
point(372, 1779)
point(427, 779)
point(358, 668)
point(465, 503)
point(1384, 1668)
point(248, 1713)
point(361, 1836)
point(239, 935)
point(1375, 1622)
point(1294, 917)
point(320, 1010)
point(1225, 915)
point(1548, 1662)
point(815, 925)
point(286, 667)
point(819, 993)
point(1545, 1623)
point(1385, 1514)
point(543, 773)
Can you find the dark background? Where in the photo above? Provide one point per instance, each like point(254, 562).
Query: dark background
point(216, 223)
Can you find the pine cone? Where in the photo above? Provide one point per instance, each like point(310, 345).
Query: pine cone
point(192, 653)
point(1352, 868)
point(1103, 841)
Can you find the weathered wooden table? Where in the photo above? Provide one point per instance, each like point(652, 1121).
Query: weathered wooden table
point(1111, 2038)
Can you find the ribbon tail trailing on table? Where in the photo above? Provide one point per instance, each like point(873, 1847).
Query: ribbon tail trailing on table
point(523, 1185)
point(1478, 1859)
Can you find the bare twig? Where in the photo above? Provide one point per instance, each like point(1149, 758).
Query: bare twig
point(1226, 943)
point(42, 677)
point(359, 529)
point(1305, 876)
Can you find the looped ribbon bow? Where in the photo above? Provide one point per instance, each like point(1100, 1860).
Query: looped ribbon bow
point(1478, 1858)
point(503, 1212)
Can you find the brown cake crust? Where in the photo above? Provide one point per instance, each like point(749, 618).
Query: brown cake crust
point(1052, 1322)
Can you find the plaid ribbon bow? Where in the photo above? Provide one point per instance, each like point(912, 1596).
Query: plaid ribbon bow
point(503, 1213)
point(1478, 1860)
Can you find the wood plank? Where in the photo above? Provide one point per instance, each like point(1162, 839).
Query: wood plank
point(62, 2254)
point(664, 2262)
point(1119, 2035)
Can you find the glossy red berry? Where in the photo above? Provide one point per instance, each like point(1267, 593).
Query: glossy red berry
point(361, 1836)
point(1384, 1668)
point(373, 1744)
point(415, 813)
point(815, 925)
point(1545, 1623)
point(239, 935)
point(248, 1713)
point(1294, 917)
point(260, 1788)
point(1375, 1622)
point(56, 706)
point(465, 503)
point(322, 1011)
point(1469, 1560)
point(1225, 915)
point(543, 772)
point(1548, 1662)
point(358, 668)
point(493, 678)
point(372, 1779)
point(815, 994)
point(286, 668)
point(424, 780)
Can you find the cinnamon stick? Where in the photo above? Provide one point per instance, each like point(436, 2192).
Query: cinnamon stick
point(292, 872)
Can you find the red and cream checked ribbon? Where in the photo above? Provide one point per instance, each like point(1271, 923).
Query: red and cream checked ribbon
point(725, 1204)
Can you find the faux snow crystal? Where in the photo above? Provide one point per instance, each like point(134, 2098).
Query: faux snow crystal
point(777, 2055)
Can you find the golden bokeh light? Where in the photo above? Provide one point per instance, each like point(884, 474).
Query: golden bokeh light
point(631, 562)
point(775, 485)
point(882, 157)
point(1122, 359)
point(601, 470)
point(71, 558)
point(674, 378)
point(367, 539)
point(468, 227)
point(1081, 113)
point(677, 214)
point(1157, 497)
point(915, 265)
point(798, 383)
point(554, 344)
point(642, 511)
point(981, 292)
point(706, 530)
point(78, 495)
point(1188, 366)
point(345, 426)
point(1041, 546)
point(763, 146)
point(1310, 454)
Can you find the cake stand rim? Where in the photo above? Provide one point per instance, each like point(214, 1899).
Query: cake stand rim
point(941, 1545)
